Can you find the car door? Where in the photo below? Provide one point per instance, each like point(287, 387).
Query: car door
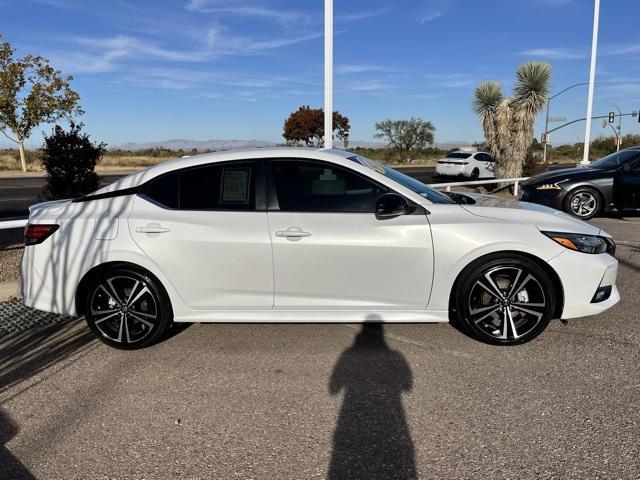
point(205, 228)
point(329, 249)
point(626, 186)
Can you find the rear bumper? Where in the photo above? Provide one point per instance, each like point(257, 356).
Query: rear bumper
point(582, 275)
point(450, 169)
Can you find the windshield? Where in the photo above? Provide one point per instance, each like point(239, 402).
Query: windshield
point(458, 155)
point(404, 180)
point(615, 159)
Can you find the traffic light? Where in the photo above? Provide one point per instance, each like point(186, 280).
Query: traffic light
point(612, 117)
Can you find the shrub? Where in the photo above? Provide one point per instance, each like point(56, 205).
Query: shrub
point(70, 159)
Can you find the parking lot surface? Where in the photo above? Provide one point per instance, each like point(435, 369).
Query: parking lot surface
point(328, 401)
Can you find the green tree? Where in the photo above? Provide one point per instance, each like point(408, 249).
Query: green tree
point(307, 125)
point(70, 159)
point(32, 92)
point(508, 122)
point(406, 136)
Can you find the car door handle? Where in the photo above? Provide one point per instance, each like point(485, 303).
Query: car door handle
point(292, 232)
point(152, 228)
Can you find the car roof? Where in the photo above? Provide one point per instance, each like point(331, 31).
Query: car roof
point(137, 178)
point(634, 147)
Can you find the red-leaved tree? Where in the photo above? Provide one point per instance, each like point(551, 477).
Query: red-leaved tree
point(307, 125)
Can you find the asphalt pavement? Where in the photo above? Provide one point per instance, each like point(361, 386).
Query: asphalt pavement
point(220, 401)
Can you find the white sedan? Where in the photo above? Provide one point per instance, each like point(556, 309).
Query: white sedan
point(473, 165)
point(304, 235)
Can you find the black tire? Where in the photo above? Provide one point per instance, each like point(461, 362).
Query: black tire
point(475, 174)
point(497, 305)
point(583, 202)
point(135, 311)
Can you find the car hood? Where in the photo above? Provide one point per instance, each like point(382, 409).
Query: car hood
point(554, 176)
point(515, 211)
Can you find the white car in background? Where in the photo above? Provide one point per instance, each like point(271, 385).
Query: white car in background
point(306, 235)
point(472, 165)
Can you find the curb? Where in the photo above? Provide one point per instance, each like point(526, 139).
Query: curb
point(9, 289)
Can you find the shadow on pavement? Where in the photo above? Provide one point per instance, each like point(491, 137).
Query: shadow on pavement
point(10, 467)
point(372, 438)
point(24, 354)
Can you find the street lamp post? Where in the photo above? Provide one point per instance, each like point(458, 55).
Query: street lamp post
point(328, 73)
point(592, 79)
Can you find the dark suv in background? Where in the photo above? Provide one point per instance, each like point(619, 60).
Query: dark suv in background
point(609, 184)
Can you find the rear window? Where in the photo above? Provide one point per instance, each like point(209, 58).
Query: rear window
point(458, 155)
point(228, 186)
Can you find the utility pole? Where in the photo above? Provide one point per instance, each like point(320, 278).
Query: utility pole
point(328, 73)
point(592, 79)
point(619, 122)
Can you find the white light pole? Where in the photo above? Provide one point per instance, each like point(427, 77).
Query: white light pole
point(328, 73)
point(592, 78)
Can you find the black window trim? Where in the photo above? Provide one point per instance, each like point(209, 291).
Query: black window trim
point(260, 190)
point(272, 196)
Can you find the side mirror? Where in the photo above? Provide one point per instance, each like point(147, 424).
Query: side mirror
point(392, 205)
point(626, 167)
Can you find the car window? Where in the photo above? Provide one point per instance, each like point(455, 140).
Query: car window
point(481, 157)
point(405, 180)
point(226, 186)
point(308, 186)
point(615, 159)
point(458, 155)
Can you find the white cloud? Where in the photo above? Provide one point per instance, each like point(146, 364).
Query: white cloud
point(346, 69)
point(430, 16)
point(621, 49)
point(353, 17)
point(431, 10)
point(558, 53)
point(258, 11)
point(449, 80)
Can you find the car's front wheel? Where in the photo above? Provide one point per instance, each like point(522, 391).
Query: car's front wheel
point(127, 309)
point(585, 203)
point(504, 300)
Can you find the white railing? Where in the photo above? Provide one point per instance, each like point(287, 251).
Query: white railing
point(7, 224)
point(515, 181)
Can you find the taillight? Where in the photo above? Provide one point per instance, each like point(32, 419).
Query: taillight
point(38, 233)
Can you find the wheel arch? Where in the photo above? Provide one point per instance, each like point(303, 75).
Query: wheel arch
point(89, 276)
point(555, 278)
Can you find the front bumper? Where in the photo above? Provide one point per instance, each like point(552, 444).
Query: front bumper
point(549, 198)
point(582, 275)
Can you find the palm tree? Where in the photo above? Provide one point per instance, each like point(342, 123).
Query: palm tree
point(508, 121)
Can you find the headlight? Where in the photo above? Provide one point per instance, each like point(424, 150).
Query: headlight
point(583, 243)
point(549, 186)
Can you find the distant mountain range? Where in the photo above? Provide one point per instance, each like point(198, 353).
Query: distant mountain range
point(203, 145)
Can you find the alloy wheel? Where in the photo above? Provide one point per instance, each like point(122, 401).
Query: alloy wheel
point(506, 303)
point(123, 309)
point(583, 204)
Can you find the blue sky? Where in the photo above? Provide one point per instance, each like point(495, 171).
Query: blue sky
point(222, 69)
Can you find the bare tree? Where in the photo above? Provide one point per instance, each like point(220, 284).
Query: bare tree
point(31, 92)
point(406, 136)
point(508, 122)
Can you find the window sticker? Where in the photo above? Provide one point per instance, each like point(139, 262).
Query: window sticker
point(235, 186)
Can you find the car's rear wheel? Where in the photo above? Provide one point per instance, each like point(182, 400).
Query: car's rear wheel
point(585, 203)
point(475, 174)
point(505, 300)
point(127, 309)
